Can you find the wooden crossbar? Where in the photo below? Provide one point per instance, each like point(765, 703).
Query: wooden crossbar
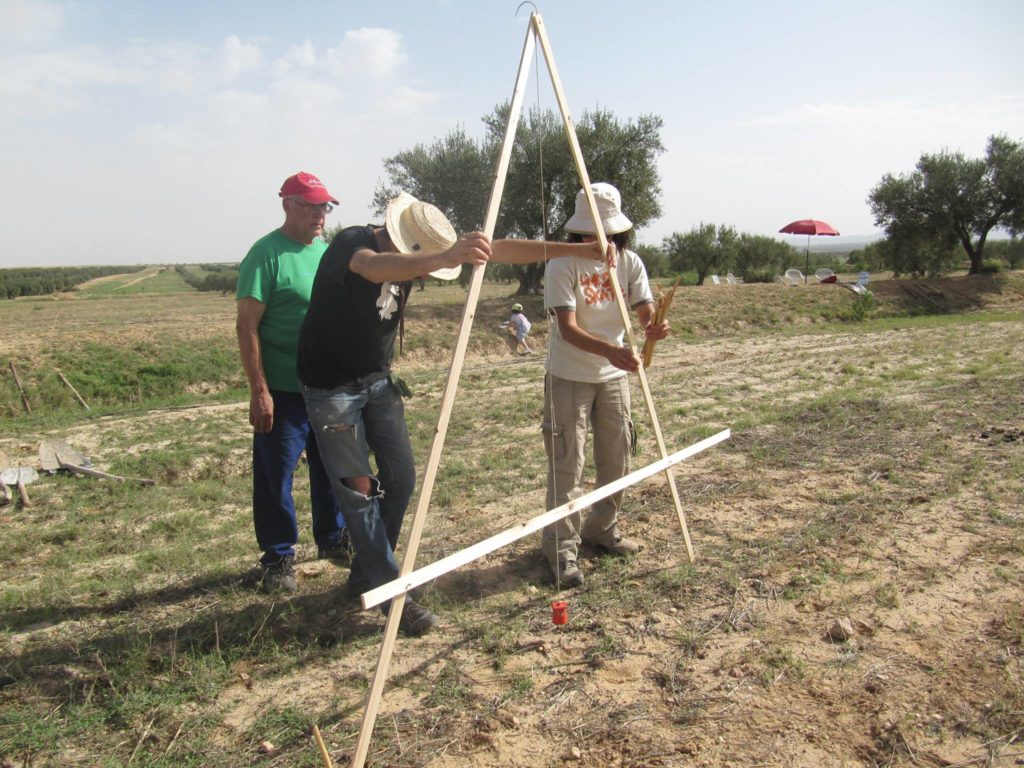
point(476, 551)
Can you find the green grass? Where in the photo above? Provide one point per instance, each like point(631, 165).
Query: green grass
point(126, 612)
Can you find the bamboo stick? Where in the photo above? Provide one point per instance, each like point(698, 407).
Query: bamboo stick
point(17, 380)
point(73, 390)
point(324, 754)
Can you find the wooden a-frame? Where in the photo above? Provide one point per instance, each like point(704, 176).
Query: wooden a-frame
point(536, 33)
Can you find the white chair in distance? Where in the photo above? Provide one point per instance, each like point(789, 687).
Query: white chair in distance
point(793, 277)
point(825, 275)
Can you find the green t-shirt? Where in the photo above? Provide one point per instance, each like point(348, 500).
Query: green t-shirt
point(279, 272)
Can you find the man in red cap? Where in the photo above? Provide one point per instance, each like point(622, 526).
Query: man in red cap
point(274, 284)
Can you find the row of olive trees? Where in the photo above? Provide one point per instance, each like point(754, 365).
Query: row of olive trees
point(41, 281)
point(218, 277)
point(710, 249)
point(949, 203)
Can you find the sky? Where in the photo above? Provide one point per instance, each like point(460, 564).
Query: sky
point(144, 132)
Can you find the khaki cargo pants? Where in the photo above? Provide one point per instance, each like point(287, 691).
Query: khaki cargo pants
point(570, 408)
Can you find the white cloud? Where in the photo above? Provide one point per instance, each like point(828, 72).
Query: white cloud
point(404, 101)
point(40, 84)
point(172, 67)
point(30, 21)
point(371, 54)
point(64, 70)
point(175, 118)
point(298, 57)
point(933, 127)
point(237, 58)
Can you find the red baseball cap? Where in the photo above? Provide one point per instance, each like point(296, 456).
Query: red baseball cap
point(308, 187)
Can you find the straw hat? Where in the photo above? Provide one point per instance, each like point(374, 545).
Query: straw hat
point(609, 208)
point(418, 227)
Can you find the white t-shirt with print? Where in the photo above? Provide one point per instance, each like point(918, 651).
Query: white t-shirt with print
point(585, 286)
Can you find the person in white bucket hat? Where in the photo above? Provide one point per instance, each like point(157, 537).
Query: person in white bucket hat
point(344, 362)
point(586, 383)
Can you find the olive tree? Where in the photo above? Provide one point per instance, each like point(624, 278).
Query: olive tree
point(952, 197)
point(456, 173)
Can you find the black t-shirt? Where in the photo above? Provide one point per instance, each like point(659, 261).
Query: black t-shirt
point(348, 336)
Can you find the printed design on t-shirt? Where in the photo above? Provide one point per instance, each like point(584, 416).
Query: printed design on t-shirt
point(387, 302)
point(597, 288)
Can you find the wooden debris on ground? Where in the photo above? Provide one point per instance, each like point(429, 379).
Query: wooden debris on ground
point(17, 380)
point(73, 390)
point(20, 477)
point(56, 454)
point(5, 492)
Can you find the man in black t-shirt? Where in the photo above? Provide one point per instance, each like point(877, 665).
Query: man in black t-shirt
point(344, 364)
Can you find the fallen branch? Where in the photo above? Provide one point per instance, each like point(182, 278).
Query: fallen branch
point(17, 380)
point(73, 390)
point(80, 470)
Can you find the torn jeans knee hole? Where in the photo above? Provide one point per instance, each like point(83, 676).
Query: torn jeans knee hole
point(336, 428)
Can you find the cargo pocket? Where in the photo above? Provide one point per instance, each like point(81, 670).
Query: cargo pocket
point(631, 431)
point(554, 439)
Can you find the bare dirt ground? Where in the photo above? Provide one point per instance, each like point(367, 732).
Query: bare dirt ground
point(837, 525)
point(856, 599)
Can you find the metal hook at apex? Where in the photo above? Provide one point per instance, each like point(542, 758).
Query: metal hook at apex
point(527, 2)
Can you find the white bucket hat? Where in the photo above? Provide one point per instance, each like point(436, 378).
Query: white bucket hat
point(609, 208)
point(418, 227)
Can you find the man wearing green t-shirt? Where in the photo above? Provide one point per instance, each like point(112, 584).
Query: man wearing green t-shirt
point(274, 284)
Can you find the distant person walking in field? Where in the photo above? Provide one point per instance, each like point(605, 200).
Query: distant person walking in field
point(587, 385)
point(518, 326)
point(274, 284)
point(354, 399)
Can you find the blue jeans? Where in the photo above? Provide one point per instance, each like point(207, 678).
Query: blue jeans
point(350, 423)
point(275, 455)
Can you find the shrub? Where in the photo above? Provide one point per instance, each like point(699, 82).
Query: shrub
point(759, 276)
point(861, 308)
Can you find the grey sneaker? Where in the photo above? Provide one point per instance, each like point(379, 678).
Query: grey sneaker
point(620, 546)
point(340, 553)
point(567, 573)
point(279, 576)
point(416, 620)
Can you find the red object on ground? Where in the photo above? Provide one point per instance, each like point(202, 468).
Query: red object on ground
point(829, 279)
point(559, 612)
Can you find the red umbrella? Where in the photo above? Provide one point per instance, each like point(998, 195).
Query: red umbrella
point(809, 227)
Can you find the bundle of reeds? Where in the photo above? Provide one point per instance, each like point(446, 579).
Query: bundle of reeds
point(662, 305)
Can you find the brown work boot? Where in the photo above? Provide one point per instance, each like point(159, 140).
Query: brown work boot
point(567, 574)
point(620, 546)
